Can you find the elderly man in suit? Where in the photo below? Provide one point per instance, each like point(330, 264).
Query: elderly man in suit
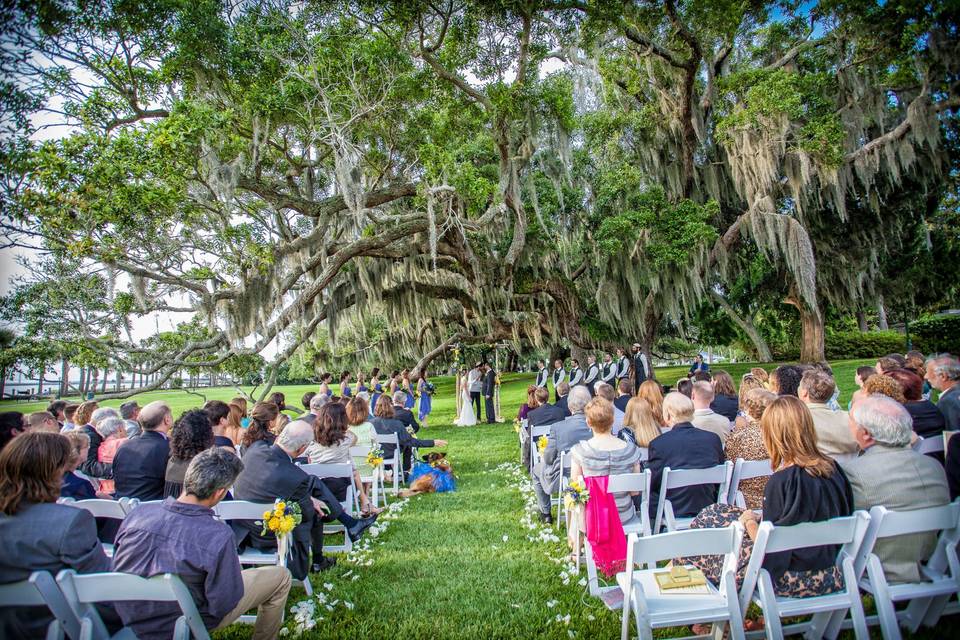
point(684, 446)
point(270, 473)
point(545, 413)
point(943, 373)
point(563, 435)
point(890, 473)
point(833, 431)
point(141, 463)
point(403, 414)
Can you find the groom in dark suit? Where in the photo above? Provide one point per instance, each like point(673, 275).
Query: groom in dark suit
point(489, 382)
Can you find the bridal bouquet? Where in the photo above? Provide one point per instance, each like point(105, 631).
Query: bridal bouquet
point(281, 520)
point(429, 388)
point(575, 495)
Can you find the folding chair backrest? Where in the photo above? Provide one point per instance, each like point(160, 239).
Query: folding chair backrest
point(928, 445)
point(691, 542)
point(360, 451)
point(885, 524)
point(630, 482)
point(40, 589)
point(540, 430)
point(676, 478)
point(101, 508)
point(747, 470)
point(387, 438)
point(91, 588)
point(241, 510)
point(332, 470)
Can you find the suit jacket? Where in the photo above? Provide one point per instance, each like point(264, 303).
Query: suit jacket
point(727, 406)
point(620, 402)
point(269, 473)
point(900, 479)
point(140, 466)
point(684, 447)
point(928, 421)
point(949, 405)
point(489, 382)
point(709, 420)
point(833, 432)
point(545, 414)
point(44, 537)
point(406, 417)
point(562, 404)
point(386, 426)
point(91, 466)
point(953, 467)
point(640, 367)
point(563, 436)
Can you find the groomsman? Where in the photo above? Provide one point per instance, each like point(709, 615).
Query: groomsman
point(576, 374)
point(608, 373)
point(641, 369)
point(623, 365)
point(559, 375)
point(541, 375)
point(593, 373)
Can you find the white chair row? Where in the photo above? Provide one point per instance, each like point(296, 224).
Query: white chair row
point(856, 536)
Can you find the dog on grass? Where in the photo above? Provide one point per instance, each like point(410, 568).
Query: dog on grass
point(439, 477)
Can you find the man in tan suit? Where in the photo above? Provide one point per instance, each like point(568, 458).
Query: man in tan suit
point(706, 418)
point(890, 473)
point(833, 432)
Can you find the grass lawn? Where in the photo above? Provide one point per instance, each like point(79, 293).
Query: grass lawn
point(462, 564)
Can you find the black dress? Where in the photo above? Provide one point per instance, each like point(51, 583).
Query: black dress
point(927, 419)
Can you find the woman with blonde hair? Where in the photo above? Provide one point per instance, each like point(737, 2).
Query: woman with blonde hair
point(748, 383)
point(639, 425)
point(806, 486)
point(84, 413)
point(241, 402)
point(234, 429)
point(652, 392)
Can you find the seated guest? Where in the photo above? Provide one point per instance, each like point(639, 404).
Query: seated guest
point(639, 425)
point(943, 373)
point(563, 391)
point(260, 432)
point(651, 392)
point(140, 465)
point(952, 467)
point(725, 400)
point(129, 412)
point(624, 393)
point(114, 434)
point(697, 366)
point(605, 391)
point(530, 404)
point(36, 533)
point(685, 387)
point(885, 386)
point(890, 473)
point(270, 473)
point(684, 446)
point(401, 413)
point(69, 413)
point(385, 423)
point(563, 435)
point(73, 485)
point(748, 383)
point(806, 487)
point(305, 401)
point(785, 380)
point(761, 375)
point(747, 442)
point(706, 418)
point(43, 421)
point(55, 409)
point(927, 419)
point(12, 424)
point(218, 413)
point(92, 467)
point(317, 402)
point(860, 377)
point(545, 413)
point(181, 536)
point(358, 414)
point(833, 432)
point(594, 460)
point(190, 435)
point(331, 444)
point(890, 363)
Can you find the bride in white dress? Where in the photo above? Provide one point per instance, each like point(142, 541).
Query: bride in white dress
point(467, 417)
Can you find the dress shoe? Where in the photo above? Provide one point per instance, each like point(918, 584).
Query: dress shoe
point(324, 564)
point(546, 518)
point(359, 527)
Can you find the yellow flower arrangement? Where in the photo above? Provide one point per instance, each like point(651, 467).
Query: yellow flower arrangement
point(575, 495)
point(542, 444)
point(516, 425)
point(375, 457)
point(282, 519)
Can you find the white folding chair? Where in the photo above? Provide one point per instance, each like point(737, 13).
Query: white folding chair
point(228, 510)
point(623, 482)
point(535, 434)
point(392, 463)
point(83, 591)
point(678, 478)
point(566, 461)
point(39, 590)
point(757, 585)
point(651, 609)
point(941, 573)
point(375, 479)
point(350, 503)
point(746, 470)
point(928, 445)
point(99, 508)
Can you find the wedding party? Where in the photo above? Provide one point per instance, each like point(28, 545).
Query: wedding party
point(438, 319)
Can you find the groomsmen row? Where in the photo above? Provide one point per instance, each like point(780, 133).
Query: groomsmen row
point(610, 372)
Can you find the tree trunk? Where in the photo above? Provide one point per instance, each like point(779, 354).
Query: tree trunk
point(40, 375)
point(746, 324)
point(429, 357)
point(812, 336)
point(64, 378)
point(3, 380)
point(92, 382)
point(882, 315)
point(103, 382)
point(862, 321)
point(82, 387)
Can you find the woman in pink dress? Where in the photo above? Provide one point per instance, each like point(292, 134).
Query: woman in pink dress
point(114, 433)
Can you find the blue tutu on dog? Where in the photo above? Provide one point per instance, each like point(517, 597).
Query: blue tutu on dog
point(443, 481)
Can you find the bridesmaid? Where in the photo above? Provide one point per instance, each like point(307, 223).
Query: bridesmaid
point(394, 382)
point(345, 390)
point(362, 384)
point(408, 387)
point(325, 385)
point(425, 399)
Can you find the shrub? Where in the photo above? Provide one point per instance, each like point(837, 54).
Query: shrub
point(846, 345)
point(937, 334)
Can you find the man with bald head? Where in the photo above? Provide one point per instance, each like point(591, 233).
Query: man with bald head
point(141, 463)
point(270, 473)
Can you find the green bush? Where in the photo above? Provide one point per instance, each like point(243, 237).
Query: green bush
point(937, 334)
point(846, 345)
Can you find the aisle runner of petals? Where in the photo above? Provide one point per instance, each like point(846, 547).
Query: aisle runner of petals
point(309, 612)
point(543, 536)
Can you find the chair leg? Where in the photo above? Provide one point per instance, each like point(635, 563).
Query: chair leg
point(592, 581)
point(768, 603)
point(737, 631)
point(935, 610)
point(625, 616)
point(886, 613)
point(856, 604)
